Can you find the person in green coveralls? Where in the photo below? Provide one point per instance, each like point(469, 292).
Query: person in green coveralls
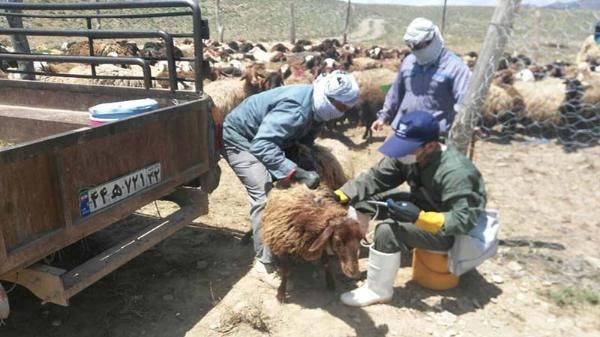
point(446, 198)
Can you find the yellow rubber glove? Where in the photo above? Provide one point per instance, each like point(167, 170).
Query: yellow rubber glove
point(430, 221)
point(341, 197)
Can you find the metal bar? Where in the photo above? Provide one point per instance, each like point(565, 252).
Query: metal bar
point(91, 44)
point(171, 61)
point(99, 5)
point(88, 60)
point(99, 16)
point(101, 265)
point(109, 34)
point(197, 31)
point(102, 34)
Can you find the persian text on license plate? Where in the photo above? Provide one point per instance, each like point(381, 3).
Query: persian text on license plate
point(99, 197)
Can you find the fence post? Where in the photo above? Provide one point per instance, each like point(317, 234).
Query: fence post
point(444, 16)
point(20, 43)
point(220, 27)
point(494, 43)
point(292, 24)
point(347, 25)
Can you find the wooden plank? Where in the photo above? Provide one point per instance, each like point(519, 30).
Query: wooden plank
point(42, 280)
point(86, 274)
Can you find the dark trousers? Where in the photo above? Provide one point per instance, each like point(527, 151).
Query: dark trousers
point(392, 236)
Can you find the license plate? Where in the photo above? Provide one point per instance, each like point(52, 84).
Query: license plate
point(99, 197)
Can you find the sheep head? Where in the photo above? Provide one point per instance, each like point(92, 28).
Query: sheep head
point(344, 235)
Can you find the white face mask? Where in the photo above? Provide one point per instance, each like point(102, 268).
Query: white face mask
point(409, 159)
point(430, 53)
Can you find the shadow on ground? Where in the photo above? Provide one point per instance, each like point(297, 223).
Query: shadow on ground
point(474, 292)
point(169, 288)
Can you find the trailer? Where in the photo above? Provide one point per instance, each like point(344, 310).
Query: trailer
point(63, 180)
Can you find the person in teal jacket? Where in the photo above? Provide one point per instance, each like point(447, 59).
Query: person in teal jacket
point(256, 133)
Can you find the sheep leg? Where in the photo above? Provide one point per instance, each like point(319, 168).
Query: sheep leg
point(328, 274)
point(284, 273)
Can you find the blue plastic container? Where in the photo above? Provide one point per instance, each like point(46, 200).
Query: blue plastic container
point(110, 112)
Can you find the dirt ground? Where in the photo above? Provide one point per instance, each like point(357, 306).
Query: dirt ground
point(544, 280)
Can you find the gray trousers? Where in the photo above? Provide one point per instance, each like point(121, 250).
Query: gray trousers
point(258, 182)
point(392, 236)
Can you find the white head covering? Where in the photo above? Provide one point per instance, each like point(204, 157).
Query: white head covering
point(337, 85)
point(419, 30)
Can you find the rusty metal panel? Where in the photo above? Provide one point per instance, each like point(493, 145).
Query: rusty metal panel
point(44, 178)
point(28, 201)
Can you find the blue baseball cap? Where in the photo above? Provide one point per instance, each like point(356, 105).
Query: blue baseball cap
point(415, 129)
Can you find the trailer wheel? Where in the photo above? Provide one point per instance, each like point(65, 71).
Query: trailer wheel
point(4, 307)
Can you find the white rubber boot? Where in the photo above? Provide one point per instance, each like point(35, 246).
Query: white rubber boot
point(379, 288)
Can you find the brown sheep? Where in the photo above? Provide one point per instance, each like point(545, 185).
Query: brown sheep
point(334, 170)
point(82, 48)
point(303, 223)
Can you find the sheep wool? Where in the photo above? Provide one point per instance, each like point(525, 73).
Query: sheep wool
point(294, 218)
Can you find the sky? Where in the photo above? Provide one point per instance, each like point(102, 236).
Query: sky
point(452, 2)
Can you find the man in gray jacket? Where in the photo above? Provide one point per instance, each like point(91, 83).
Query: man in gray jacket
point(256, 132)
point(431, 78)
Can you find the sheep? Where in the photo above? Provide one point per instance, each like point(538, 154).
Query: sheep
point(542, 101)
point(299, 76)
point(364, 63)
point(229, 93)
point(589, 52)
point(304, 223)
point(81, 48)
point(470, 59)
point(101, 70)
point(372, 96)
point(334, 169)
point(280, 47)
point(158, 50)
point(503, 103)
point(122, 48)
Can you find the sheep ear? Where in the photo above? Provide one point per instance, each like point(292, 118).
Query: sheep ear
point(321, 240)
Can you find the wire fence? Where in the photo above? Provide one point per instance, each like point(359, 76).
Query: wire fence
point(544, 83)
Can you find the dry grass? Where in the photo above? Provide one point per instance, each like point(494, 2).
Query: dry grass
point(545, 35)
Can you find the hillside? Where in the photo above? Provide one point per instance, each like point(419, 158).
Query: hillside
point(548, 34)
point(580, 4)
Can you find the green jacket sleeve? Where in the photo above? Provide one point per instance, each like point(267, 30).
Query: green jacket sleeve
point(464, 198)
point(386, 175)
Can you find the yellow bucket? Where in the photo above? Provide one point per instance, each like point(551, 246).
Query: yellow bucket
point(430, 270)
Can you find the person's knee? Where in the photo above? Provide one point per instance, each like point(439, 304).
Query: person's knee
point(384, 230)
point(385, 238)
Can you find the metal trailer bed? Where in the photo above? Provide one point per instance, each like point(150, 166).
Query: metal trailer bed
point(64, 180)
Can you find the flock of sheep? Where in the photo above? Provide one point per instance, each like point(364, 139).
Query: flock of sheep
point(522, 92)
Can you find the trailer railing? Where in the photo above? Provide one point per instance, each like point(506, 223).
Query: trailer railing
point(199, 32)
